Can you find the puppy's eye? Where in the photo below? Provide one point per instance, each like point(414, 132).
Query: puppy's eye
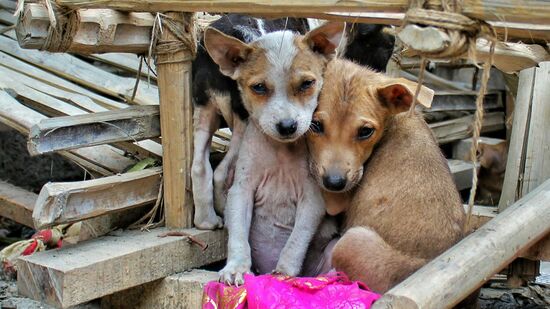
point(316, 126)
point(307, 84)
point(364, 133)
point(259, 88)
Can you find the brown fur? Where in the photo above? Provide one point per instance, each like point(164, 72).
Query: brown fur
point(404, 210)
point(492, 161)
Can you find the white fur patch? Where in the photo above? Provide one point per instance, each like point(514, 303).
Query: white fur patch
point(261, 26)
point(280, 52)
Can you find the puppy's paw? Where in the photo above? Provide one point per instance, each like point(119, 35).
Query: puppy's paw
point(233, 273)
point(207, 221)
point(290, 269)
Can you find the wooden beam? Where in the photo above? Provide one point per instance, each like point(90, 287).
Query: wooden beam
point(102, 266)
point(68, 202)
point(102, 159)
point(476, 258)
point(182, 290)
point(532, 11)
point(518, 141)
point(16, 203)
point(69, 132)
point(176, 119)
point(460, 128)
point(98, 31)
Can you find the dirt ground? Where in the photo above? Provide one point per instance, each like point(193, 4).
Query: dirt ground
point(31, 173)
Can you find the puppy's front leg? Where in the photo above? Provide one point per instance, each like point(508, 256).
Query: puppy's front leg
point(309, 214)
point(238, 216)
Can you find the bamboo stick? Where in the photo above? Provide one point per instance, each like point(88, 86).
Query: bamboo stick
point(176, 119)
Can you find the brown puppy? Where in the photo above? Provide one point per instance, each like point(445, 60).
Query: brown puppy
point(385, 170)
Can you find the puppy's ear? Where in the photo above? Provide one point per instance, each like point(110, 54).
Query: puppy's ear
point(398, 95)
point(325, 39)
point(226, 51)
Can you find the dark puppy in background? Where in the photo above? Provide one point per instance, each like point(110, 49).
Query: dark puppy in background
point(217, 103)
point(369, 45)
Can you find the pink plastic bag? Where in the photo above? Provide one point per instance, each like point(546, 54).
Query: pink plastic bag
point(333, 290)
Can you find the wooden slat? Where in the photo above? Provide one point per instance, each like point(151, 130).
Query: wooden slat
point(459, 271)
point(176, 119)
point(183, 290)
point(16, 203)
point(102, 159)
point(68, 202)
point(69, 132)
point(35, 77)
point(532, 11)
point(99, 267)
point(518, 140)
point(460, 128)
point(83, 73)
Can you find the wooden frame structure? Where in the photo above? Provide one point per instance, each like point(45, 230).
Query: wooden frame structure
point(518, 19)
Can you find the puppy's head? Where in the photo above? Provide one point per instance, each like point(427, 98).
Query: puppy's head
point(350, 119)
point(279, 75)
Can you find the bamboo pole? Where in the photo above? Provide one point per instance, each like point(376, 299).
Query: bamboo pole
point(530, 11)
point(456, 273)
point(176, 118)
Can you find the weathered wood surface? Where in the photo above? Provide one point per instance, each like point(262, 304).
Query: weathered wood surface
point(462, 173)
point(62, 133)
point(182, 290)
point(67, 202)
point(16, 203)
point(102, 266)
point(532, 11)
point(176, 119)
point(460, 128)
point(103, 159)
point(459, 271)
point(79, 71)
point(98, 31)
point(511, 188)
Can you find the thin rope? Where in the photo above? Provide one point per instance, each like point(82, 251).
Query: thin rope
point(418, 85)
point(478, 122)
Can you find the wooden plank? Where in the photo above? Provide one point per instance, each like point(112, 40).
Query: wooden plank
point(69, 132)
point(476, 258)
point(537, 156)
point(532, 11)
point(176, 119)
point(83, 73)
point(99, 30)
point(102, 159)
point(99, 267)
point(182, 290)
point(68, 202)
point(460, 128)
point(462, 173)
point(128, 62)
point(518, 139)
point(38, 79)
point(16, 203)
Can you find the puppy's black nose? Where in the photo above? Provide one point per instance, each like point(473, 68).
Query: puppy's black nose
point(334, 182)
point(287, 127)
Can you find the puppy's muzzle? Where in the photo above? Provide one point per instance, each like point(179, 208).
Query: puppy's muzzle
point(334, 182)
point(287, 127)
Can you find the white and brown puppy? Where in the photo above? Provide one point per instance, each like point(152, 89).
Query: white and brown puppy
point(274, 207)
